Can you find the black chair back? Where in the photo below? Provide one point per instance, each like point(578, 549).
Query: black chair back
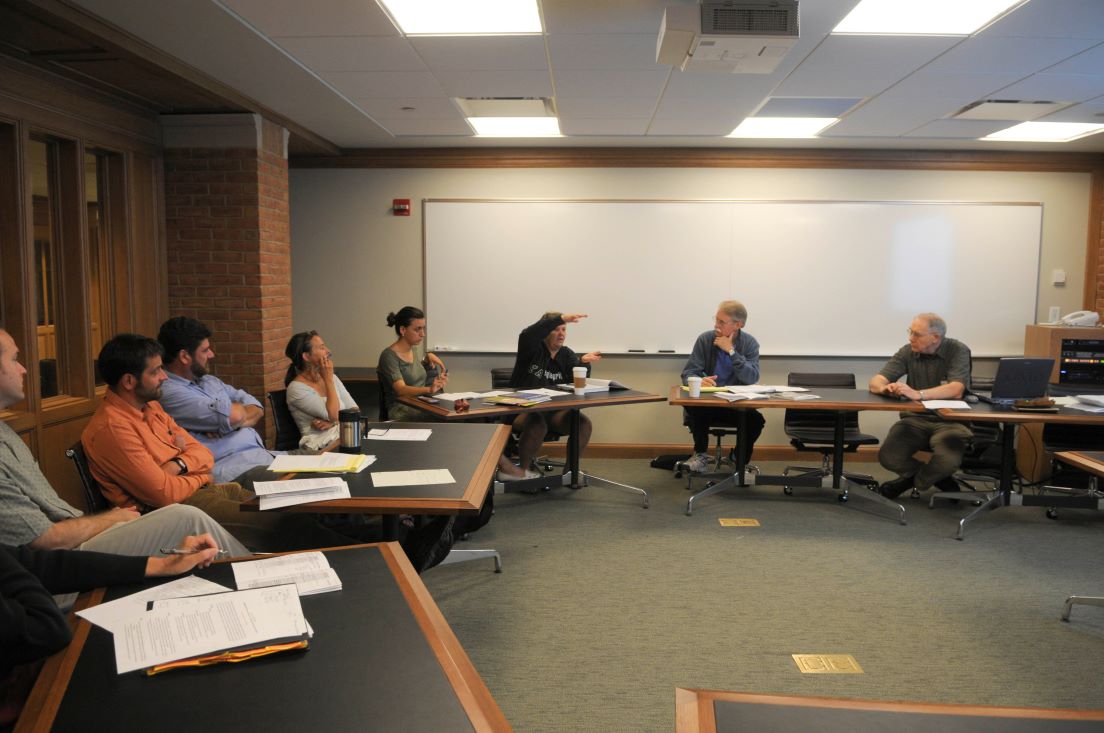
point(814, 429)
point(94, 500)
point(500, 377)
point(287, 432)
point(382, 402)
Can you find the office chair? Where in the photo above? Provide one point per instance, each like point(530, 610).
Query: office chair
point(287, 432)
point(814, 430)
point(382, 403)
point(94, 501)
point(500, 379)
point(1065, 479)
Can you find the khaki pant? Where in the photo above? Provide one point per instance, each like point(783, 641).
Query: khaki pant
point(262, 531)
point(947, 442)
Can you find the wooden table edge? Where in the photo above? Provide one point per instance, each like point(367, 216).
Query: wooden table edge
point(703, 716)
point(1078, 459)
point(676, 398)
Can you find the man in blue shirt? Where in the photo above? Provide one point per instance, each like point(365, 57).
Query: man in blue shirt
point(216, 414)
point(725, 356)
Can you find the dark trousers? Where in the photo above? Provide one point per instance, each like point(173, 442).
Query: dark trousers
point(702, 418)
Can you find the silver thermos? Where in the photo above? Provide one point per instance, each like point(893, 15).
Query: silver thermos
point(350, 430)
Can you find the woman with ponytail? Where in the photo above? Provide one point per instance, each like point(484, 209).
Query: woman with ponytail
point(314, 393)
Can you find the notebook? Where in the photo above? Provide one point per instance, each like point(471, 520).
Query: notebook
point(1020, 378)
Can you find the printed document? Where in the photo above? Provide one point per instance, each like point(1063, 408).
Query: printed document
point(399, 434)
point(310, 572)
point(423, 477)
point(276, 494)
point(181, 628)
point(114, 614)
point(323, 462)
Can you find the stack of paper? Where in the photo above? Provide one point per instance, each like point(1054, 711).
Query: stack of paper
point(595, 385)
point(519, 399)
point(193, 622)
point(795, 396)
point(310, 572)
point(1088, 403)
point(734, 396)
point(763, 389)
point(276, 494)
point(399, 434)
point(322, 463)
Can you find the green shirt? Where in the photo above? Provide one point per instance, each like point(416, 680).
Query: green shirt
point(392, 368)
point(949, 363)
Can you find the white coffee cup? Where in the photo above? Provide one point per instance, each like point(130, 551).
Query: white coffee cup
point(579, 374)
point(694, 383)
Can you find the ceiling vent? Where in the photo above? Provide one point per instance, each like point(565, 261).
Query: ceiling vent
point(1013, 110)
point(745, 37)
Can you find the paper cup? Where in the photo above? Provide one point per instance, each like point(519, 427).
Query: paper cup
point(579, 374)
point(694, 383)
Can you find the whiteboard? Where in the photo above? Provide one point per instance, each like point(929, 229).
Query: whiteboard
point(824, 278)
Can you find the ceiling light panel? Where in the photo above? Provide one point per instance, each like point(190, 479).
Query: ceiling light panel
point(781, 126)
point(1054, 132)
point(471, 17)
point(923, 17)
point(515, 126)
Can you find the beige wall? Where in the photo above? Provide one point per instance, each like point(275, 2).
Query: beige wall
point(352, 261)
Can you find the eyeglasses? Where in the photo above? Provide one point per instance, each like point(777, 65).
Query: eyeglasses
point(917, 334)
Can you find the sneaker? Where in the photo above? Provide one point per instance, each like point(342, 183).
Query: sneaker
point(699, 463)
point(505, 477)
point(896, 487)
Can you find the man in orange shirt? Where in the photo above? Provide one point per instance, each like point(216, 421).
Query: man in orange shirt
point(143, 459)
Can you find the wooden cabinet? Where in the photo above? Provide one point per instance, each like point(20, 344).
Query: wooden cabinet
point(1046, 341)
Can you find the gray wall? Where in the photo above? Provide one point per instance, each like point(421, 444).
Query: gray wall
point(352, 261)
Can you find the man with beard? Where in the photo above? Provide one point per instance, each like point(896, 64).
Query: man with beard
point(143, 459)
point(216, 414)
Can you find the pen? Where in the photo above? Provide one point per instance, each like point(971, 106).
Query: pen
point(184, 551)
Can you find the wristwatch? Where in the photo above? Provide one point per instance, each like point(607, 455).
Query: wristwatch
point(180, 462)
point(732, 352)
point(921, 395)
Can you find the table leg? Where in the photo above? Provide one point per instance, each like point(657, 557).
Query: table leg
point(1003, 497)
point(573, 450)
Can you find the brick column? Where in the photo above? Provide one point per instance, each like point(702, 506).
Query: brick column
point(1094, 255)
point(228, 242)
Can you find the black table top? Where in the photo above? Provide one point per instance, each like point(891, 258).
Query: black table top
point(369, 667)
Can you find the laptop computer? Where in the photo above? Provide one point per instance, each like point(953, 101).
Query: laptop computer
point(1019, 378)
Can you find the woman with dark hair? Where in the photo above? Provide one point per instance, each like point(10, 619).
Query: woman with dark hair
point(403, 374)
point(314, 393)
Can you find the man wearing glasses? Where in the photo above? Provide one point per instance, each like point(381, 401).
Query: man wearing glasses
point(935, 368)
point(725, 356)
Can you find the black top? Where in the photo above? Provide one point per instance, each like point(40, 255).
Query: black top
point(369, 667)
point(535, 366)
point(31, 625)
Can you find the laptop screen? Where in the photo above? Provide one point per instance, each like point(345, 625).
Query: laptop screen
point(1022, 378)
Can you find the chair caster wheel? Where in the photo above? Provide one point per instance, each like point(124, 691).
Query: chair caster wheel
point(1052, 513)
point(709, 483)
point(787, 490)
point(678, 474)
point(843, 498)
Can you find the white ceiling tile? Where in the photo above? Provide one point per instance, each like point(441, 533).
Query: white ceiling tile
point(705, 85)
point(968, 87)
point(604, 82)
point(727, 112)
point(1053, 19)
point(482, 53)
point(583, 126)
point(356, 53)
point(1089, 111)
point(1007, 55)
point(1088, 62)
point(519, 83)
point(958, 129)
point(1055, 88)
point(319, 18)
point(892, 116)
point(427, 127)
point(605, 16)
point(860, 66)
point(367, 84)
point(603, 51)
point(694, 127)
point(605, 107)
point(423, 108)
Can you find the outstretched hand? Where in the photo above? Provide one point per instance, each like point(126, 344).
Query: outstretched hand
point(591, 357)
point(202, 551)
point(573, 317)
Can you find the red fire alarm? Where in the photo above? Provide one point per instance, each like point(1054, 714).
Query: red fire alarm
point(400, 207)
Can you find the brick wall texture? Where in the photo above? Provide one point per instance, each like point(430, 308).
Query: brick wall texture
point(229, 256)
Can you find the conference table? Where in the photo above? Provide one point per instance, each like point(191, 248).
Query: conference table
point(1009, 419)
point(573, 476)
point(382, 658)
point(716, 711)
point(469, 452)
point(836, 400)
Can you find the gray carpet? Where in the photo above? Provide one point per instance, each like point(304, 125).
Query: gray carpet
point(604, 608)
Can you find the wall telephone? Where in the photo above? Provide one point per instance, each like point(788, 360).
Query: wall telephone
point(1080, 318)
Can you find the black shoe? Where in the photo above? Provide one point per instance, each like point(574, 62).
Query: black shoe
point(896, 487)
point(947, 485)
point(430, 544)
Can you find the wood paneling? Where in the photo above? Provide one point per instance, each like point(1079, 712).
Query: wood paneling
point(148, 273)
point(702, 158)
point(58, 469)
